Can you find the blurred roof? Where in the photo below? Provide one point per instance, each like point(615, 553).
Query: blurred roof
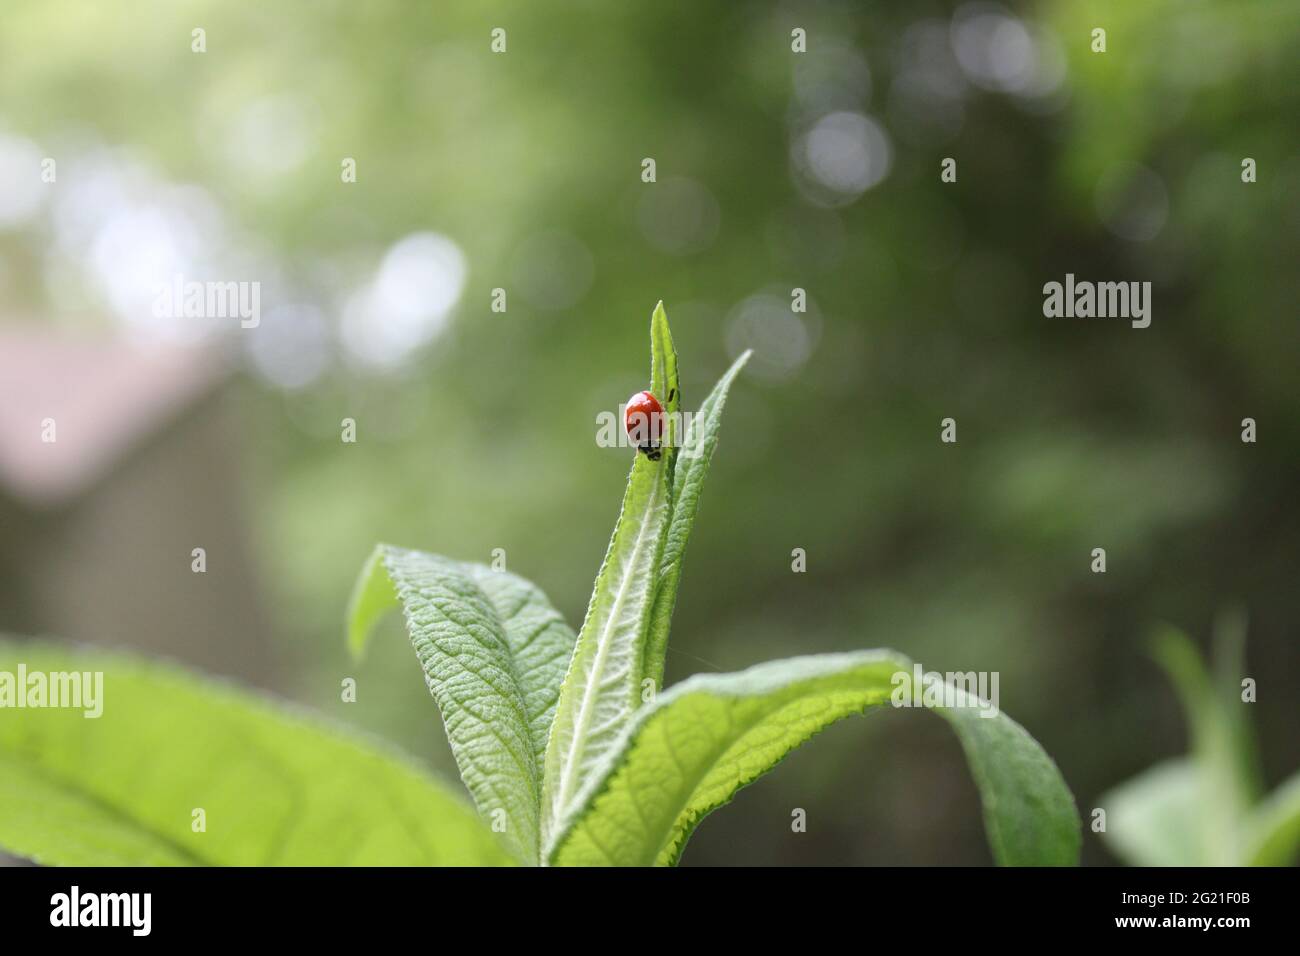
point(105, 397)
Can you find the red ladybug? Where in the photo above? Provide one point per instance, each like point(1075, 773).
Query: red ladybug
point(644, 421)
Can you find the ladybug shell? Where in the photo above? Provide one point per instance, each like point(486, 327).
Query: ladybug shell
point(644, 419)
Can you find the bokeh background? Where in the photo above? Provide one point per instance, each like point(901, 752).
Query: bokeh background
point(775, 170)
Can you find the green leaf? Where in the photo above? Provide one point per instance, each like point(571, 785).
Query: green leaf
point(1029, 813)
point(690, 469)
point(602, 689)
point(707, 737)
point(277, 787)
point(1157, 818)
point(1274, 827)
point(494, 652)
point(373, 598)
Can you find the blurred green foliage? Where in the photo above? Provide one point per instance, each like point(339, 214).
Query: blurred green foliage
point(1206, 809)
point(1073, 434)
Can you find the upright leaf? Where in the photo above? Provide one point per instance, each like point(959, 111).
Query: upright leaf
point(663, 379)
point(1202, 810)
point(373, 599)
point(602, 689)
point(712, 734)
point(690, 469)
point(1221, 743)
point(275, 786)
point(494, 652)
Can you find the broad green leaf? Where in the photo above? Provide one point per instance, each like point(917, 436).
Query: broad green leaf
point(689, 471)
point(1274, 827)
point(276, 786)
point(494, 653)
point(602, 689)
point(707, 737)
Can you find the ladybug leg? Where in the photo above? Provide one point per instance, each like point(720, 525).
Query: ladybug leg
point(671, 393)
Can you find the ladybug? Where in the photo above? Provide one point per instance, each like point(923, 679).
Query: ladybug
point(644, 421)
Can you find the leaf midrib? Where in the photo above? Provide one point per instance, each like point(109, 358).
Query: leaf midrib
point(578, 743)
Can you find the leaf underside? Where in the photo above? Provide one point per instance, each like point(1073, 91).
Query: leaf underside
point(493, 651)
point(276, 787)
